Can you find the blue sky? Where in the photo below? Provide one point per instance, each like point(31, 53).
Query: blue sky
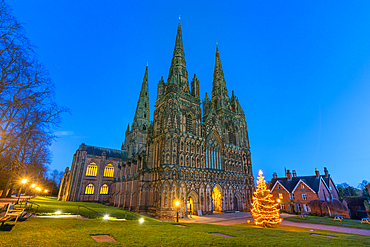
point(301, 71)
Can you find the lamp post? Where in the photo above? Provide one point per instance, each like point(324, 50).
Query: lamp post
point(177, 210)
point(20, 189)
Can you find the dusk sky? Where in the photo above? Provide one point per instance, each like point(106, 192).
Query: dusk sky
point(301, 71)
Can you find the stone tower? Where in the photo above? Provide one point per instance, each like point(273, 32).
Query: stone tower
point(135, 139)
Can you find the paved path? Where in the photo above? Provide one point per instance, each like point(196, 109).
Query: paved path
point(243, 217)
point(328, 228)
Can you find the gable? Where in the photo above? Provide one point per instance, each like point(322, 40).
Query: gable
point(278, 183)
point(301, 182)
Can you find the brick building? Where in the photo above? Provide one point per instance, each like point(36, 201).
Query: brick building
point(295, 193)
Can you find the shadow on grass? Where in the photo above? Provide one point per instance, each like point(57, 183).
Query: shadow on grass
point(6, 227)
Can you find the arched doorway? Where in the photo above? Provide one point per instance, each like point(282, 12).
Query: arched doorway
point(190, 206)
point(236, 206)
point(217, 199)
point(192, 203)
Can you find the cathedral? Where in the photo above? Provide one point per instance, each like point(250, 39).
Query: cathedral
point(201, 161)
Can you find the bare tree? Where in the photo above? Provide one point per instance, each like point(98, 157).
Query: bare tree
point(28, 111)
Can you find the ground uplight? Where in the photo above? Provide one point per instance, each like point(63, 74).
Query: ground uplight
point(106, 217)
point(57, 212)
point(141, 220)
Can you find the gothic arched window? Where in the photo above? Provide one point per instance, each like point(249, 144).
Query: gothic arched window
point(109, 170)
point(104, 189)
point(144, 127)
point(92, 170)
point(213, 154)
point(89, 189)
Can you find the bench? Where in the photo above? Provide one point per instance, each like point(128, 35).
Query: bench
point(4, 218)
point(340, 218)
point(11, 212)
point(365, 220)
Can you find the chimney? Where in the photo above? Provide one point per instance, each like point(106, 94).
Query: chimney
point(274, 175)
point(288, 175)
point(294, 174)
point(317, 173)
point(326, 172)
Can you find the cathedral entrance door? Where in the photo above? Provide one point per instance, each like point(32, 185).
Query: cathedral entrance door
point(236, 203)
point(217, 202)
point(190, 206)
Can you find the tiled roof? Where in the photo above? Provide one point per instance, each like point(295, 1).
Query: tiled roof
point(109, 153)
point(311, 181)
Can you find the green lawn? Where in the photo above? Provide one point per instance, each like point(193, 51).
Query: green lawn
point(330, 221)
point(76, 232)
point(51, 205)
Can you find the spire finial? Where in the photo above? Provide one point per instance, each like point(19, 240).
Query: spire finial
point(179, 17)
point(146, 64)
point(216, 42)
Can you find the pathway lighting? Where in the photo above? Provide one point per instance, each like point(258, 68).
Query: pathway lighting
point(33, 185)
point(57, 212)
point(20, 189)
point(37, 188)
point(46, 191)
point(106, 217)
point(141, 220)
point(177, 210)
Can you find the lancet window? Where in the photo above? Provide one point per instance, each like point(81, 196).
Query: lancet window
point(213, 154)
point(189, 124)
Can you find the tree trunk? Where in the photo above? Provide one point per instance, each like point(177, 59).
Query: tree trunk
point(5, 191)
point(10, 191)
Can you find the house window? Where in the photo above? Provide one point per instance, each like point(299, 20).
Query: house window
point(302, 186)
point(299, 209)
point(292, 197)
point(280, 195)
point(304, 197)
point(104, 189)
point(282, 206)
point(89, 189)
point(92, 170)
point(279, 187)
point(109, 170)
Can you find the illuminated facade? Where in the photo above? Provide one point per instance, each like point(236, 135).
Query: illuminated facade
point(202, 160)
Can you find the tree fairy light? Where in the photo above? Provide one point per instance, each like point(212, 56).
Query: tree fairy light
point(265, 210)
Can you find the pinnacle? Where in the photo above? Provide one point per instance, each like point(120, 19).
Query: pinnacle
point(219, 84)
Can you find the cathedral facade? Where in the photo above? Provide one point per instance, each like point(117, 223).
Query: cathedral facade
point(199, 158)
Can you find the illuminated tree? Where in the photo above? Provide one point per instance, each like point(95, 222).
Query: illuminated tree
point(265, 210)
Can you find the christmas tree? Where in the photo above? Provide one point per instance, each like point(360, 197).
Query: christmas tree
point(265, 210)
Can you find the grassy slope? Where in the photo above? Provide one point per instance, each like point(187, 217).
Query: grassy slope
point(76, 232)
point(51, 205)
point(330, 221)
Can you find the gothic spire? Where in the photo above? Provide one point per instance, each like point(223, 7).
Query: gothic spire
point(141, 119)
point(219, 90)
point(178, 64)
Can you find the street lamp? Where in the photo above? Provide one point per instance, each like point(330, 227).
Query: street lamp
point(177, 210)
point(20, 189)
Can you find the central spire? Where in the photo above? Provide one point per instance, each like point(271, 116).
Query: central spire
point(178, 71)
